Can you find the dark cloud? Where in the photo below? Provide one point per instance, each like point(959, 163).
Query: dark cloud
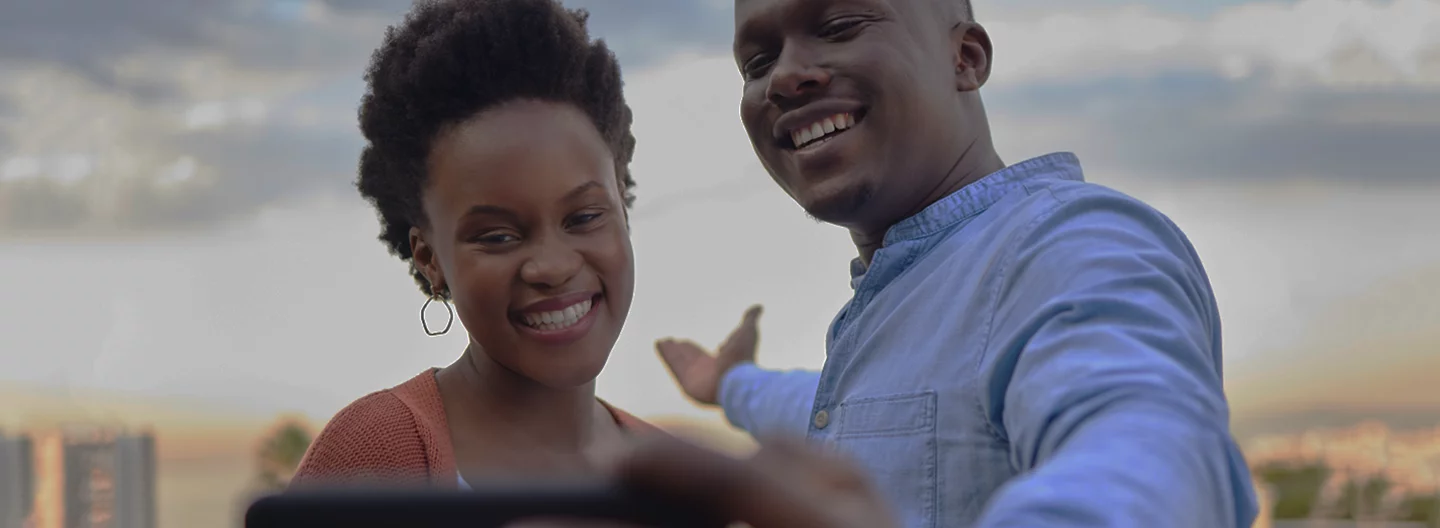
point(239, 170)
point(41, 207)
point(384, 6)
point(1301, 149)
point(261, 36)
point(249, 168)
point(641, 32)
point(1178, 126)
point(88, 35)
point(645, 31)
point(8, 111)
point(1197, 126)
point(246, 168)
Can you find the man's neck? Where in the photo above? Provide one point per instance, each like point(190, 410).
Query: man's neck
point(977, 161)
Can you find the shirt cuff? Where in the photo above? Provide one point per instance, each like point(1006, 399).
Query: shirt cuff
point(732, 392)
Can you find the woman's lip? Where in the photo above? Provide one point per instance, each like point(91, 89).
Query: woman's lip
point(558, 302)
point(568, 334)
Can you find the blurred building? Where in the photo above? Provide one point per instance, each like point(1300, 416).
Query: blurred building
point(17, 480)
point(93, 478)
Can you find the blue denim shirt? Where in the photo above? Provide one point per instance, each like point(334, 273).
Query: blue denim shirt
point(1031, 351)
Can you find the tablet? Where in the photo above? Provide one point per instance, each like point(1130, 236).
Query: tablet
point(490, 506)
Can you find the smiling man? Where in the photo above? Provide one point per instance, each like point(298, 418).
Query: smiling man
point(1022, 348)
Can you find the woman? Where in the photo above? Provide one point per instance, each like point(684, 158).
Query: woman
point(498, 146)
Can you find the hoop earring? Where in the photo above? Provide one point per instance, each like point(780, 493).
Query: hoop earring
point(426, 324)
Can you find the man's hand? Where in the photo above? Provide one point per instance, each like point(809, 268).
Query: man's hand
point(697, 371)
point(787, 484)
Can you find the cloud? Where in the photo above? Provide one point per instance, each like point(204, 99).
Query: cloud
point(1201, 127)
point(85, 159)
point(186, 115)
point(641, 32)
point(1341, 44)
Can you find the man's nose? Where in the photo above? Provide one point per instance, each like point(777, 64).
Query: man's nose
point(796, 76)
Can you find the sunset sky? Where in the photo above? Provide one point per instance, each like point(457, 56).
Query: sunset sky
point(177, 216)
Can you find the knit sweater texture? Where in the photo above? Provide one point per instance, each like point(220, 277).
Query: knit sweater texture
point(396, 437)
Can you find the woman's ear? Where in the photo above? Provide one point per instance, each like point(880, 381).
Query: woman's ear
point(422, 257)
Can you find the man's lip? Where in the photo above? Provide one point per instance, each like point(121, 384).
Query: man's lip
point(811, 113)
point(558, 302)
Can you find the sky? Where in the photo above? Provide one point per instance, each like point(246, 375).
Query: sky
point(178, 218)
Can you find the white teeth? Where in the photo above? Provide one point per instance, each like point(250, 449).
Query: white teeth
point(819, 129)
point(558, 319)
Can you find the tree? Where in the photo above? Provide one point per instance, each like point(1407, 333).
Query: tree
point(280, 453)
point(1297, 487)
point(1362, 498)
point(1420, 509)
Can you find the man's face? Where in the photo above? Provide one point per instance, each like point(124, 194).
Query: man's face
point(850, 104)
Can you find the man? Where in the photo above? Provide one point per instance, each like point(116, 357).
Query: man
point(1022, 348)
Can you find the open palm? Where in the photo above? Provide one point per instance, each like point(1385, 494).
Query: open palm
point(698, 371)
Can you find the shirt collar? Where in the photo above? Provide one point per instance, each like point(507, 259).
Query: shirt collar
point(974, 199)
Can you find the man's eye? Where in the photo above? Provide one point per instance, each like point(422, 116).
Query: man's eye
point(840, 28)
point(756, 67)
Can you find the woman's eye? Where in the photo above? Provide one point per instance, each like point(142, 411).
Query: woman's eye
point(496, 238)
point(582, 219)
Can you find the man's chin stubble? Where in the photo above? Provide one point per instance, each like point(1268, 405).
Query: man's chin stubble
point(842, 209)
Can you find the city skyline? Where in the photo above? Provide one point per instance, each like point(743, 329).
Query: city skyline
point(78, 476)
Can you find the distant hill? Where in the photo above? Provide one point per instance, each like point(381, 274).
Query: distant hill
point(1249, 425)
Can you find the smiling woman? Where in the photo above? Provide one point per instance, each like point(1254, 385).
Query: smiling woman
point(498, 147)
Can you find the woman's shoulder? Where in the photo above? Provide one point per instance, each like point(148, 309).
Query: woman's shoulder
point(628, 421)
point(378, 435)
point(375, 416)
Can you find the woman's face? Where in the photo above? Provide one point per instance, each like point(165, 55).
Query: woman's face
point(527, 231)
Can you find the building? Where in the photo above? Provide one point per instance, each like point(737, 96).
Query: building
point(94, 478)
point(17, 480)
point(135, 481)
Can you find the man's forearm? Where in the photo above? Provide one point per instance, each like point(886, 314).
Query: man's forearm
point(1141, 461)
point(766, 402)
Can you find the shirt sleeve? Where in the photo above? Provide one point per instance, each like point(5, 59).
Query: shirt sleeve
point(1103, 369)
point(769, 402)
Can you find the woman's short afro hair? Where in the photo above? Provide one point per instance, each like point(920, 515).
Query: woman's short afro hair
point(452, 59)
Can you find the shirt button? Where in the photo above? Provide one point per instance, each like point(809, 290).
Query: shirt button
point(822, 419)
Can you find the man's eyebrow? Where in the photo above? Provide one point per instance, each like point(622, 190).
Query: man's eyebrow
point(752, 28)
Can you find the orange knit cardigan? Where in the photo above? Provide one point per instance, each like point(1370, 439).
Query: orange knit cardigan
point(396, 436)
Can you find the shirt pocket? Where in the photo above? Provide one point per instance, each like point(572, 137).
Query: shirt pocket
point(893, 437)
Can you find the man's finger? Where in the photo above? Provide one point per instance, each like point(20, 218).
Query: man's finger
point(739, 489)
point(752, 314)
point(824, 461)
point(678, 355)
point(563, 522)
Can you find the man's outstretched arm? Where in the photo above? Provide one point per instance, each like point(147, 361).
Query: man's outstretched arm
point(1104, 373)
point(769, 402)
point(762, 402)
